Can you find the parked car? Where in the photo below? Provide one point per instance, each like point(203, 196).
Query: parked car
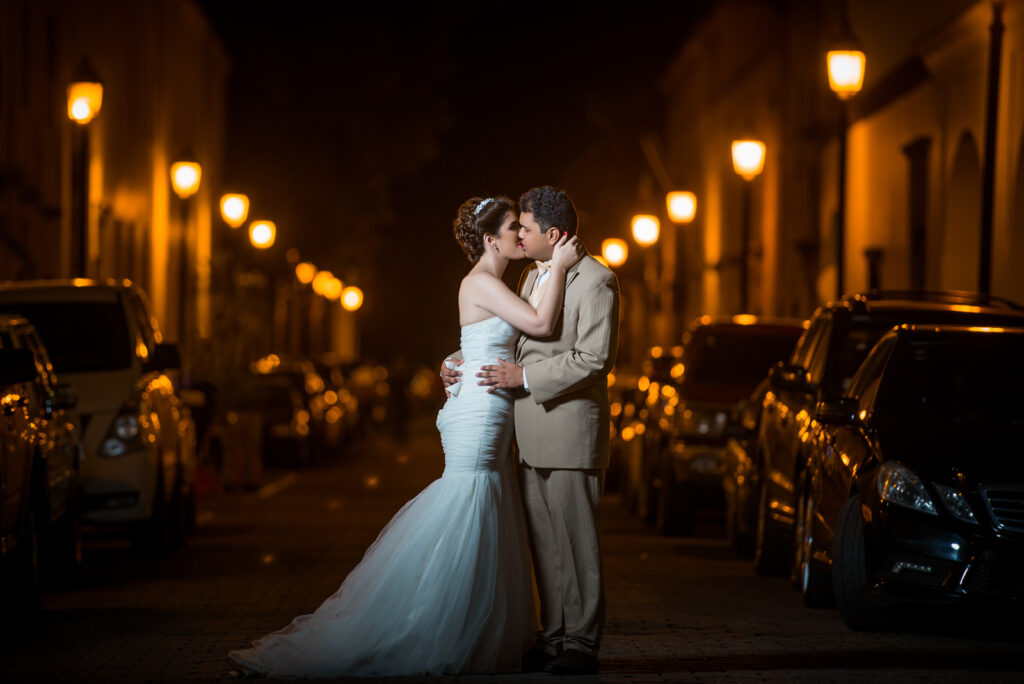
point(139, 443)
point(723, 359)
point(39, 459)
point(821, 369)
point(740, 470)
point(915, 487)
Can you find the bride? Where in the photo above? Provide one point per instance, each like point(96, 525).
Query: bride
point(446, 587)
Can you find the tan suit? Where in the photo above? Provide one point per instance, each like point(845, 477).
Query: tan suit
point(562, 427)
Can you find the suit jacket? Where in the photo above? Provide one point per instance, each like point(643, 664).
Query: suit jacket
point(564, 420)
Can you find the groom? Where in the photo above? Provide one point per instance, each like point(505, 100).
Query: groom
point(562, 429)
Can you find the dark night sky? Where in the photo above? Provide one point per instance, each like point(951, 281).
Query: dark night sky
point(360, 129)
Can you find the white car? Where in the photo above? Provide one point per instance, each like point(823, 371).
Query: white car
point(139, 440)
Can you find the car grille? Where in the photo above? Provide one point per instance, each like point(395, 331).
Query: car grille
point(1006, 504)
point(983, 578)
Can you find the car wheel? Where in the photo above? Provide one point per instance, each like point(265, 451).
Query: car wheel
point(153, 539)
point(742, 542)
point(771, 543)
point(849, 572)
point(815, 585)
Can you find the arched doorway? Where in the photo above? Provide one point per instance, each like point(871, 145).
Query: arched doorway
point(959, 259)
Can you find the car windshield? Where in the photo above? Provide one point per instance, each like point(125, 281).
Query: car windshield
point(968, 381)
point(79, 336)
point(737, 356)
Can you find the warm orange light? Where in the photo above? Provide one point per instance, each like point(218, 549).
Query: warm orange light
point(601, 260)
point(351, 298)
point(262, 234)
point(185, 177)
point(615, 251)
point(333, 288)
point(234, 209)
point(748, 158)
point(645, 229)
point(85, 98)
point(682, 206)
point(744, 319)
point(305, 272)
point(845, 72)
point(320, 282)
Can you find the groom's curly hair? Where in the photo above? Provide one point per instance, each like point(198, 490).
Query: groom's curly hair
point(479, 216)
point(552, 208)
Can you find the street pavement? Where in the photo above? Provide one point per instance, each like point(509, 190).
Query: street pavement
point(679, 609)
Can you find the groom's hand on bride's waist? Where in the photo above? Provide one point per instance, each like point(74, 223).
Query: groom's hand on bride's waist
point(505, 375)
point(450, 374)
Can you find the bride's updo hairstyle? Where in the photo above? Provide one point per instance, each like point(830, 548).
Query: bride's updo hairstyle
point(479, 216)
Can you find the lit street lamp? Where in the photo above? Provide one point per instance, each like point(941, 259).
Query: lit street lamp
point(351, 298)
point(185, 179)
point(615, 251)
point(85, 99)
point(845, 78)
point(305, 272)
point(262, 234)
point(682, 206)
point(748, 162)
point(645, 229)
point(234, 209)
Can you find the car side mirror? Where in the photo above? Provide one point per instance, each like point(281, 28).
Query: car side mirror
point(165, 357)
point(17, 365)
point(841, 411)
point(65, 396)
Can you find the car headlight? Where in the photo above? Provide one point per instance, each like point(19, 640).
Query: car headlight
point(899, 485)
point(956, 502)
point(112, 447)
point(126, 427)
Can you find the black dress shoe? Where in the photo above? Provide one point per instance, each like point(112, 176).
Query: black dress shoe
point(536, 659)
point(572, 662)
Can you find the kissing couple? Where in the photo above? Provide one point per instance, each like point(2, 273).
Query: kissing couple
point(447, 586)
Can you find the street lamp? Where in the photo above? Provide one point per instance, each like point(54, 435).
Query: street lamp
point(321, 282)
point(351, 298)
point(748, 162)
point(262, 234)
point(682, 206)
point(234, 209)
point(185, 177)
point(85, 98)
point(333, 288)
point(615, 251)
point(305, 272)
point(845, 78)
point(645, 229)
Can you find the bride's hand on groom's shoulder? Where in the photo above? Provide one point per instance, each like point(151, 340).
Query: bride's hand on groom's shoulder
point(568, 250)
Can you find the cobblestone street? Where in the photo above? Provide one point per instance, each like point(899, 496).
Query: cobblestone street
point(678, 609)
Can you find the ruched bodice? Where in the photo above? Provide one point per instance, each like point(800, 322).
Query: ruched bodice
point(476, 426)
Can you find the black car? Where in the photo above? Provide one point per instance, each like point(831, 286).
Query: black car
point(916, 486)
point(723, 359)
point(820, 369)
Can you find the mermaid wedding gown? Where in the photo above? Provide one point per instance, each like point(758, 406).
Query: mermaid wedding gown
point(446, 587)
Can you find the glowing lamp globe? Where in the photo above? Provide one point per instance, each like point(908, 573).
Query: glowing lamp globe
point(305, 272)
point(234, 209)
point(645, 229)
point(262, 234)
point(185, 177)
point(682, 206)
point(615, 251)
point(321, 282)
point(845, 72)
point(748, 158)
point(351, 298)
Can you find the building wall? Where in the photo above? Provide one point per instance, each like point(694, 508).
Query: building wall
point(164, 73)
point(923, 107)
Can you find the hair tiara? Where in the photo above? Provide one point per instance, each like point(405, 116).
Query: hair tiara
point(480, 207)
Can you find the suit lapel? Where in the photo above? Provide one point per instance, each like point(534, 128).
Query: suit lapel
point(531, 276)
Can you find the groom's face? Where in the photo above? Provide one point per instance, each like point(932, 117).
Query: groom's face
point(535, 241)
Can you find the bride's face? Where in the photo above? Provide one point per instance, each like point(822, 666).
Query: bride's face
point(508, 238)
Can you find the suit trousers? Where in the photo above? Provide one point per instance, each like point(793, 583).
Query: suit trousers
point(563, 514)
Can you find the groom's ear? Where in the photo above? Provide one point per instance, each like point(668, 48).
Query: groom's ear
point(552, 234)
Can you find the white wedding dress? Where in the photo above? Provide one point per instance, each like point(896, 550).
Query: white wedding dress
point(446, 587)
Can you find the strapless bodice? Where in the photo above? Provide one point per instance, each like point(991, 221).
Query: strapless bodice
point(484, 341)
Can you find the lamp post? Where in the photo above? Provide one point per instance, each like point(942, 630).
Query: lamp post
point(234, 209)
point(646, 229)
point(845, 78)
point(262, 234)
point(748, 162)
point(614, 251)
point(85, 99)
point(682, 206)
point(185, 179)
